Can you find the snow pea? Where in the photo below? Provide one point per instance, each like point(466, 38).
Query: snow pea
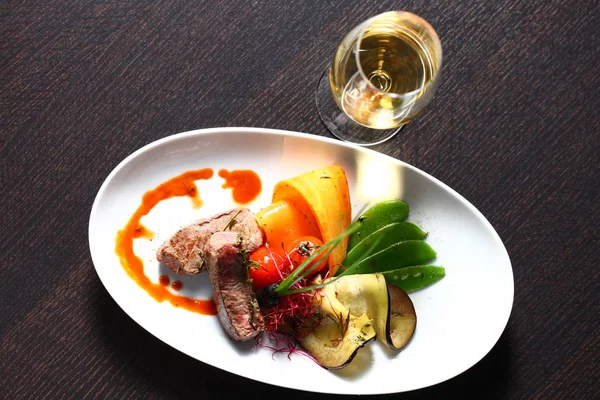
point(402, 254)
point(415, 277)
point(376, 217)
point(382, 239)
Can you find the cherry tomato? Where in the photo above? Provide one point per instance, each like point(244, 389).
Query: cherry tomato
point(267, 267)
point(304, 247)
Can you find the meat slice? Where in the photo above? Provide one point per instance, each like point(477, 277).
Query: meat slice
point(236, 302)
point(184, 252)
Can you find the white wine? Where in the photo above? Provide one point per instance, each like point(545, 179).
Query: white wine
point(384, 72)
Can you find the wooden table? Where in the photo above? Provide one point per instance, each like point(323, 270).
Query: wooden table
point(513, 128)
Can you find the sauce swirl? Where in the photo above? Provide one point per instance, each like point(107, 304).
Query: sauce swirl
point(182, 185)
point(245, 184)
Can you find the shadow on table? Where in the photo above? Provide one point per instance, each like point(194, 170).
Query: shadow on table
point(165, 372)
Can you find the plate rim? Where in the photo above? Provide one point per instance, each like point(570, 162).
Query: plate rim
point(236, 130)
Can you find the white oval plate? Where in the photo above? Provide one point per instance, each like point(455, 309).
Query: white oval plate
point(460, 318)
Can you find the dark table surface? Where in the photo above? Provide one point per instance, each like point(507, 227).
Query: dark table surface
point(513, 128)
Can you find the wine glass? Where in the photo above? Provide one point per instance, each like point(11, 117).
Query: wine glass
point(383, 74)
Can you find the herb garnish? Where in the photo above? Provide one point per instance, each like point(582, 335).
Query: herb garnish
point(232, 221)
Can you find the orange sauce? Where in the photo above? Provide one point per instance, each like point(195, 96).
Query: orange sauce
point(245, 184)
point(182, 185)
point(143, 232)
point(164, 280)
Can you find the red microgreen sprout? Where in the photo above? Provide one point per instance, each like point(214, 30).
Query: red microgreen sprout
point(295, 313)
point(277, 267)
point(282, 343)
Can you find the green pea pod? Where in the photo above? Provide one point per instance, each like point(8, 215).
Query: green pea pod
point(402, 254)
point(382, 239)
point(376, 217)
point(415, 277)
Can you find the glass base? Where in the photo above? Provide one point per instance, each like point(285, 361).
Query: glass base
point(340, 125)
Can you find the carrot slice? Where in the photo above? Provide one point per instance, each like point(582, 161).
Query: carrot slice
point(284, 221)
point(324, 193)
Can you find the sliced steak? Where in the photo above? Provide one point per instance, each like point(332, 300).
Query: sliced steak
point(184, 252)
point(236, 302)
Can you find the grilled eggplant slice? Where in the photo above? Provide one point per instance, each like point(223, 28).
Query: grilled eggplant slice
point(354, 310)
point(334, 349)
point(403, 318)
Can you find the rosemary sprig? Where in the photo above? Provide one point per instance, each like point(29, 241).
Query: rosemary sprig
point(342, 324)
point(232, 221)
